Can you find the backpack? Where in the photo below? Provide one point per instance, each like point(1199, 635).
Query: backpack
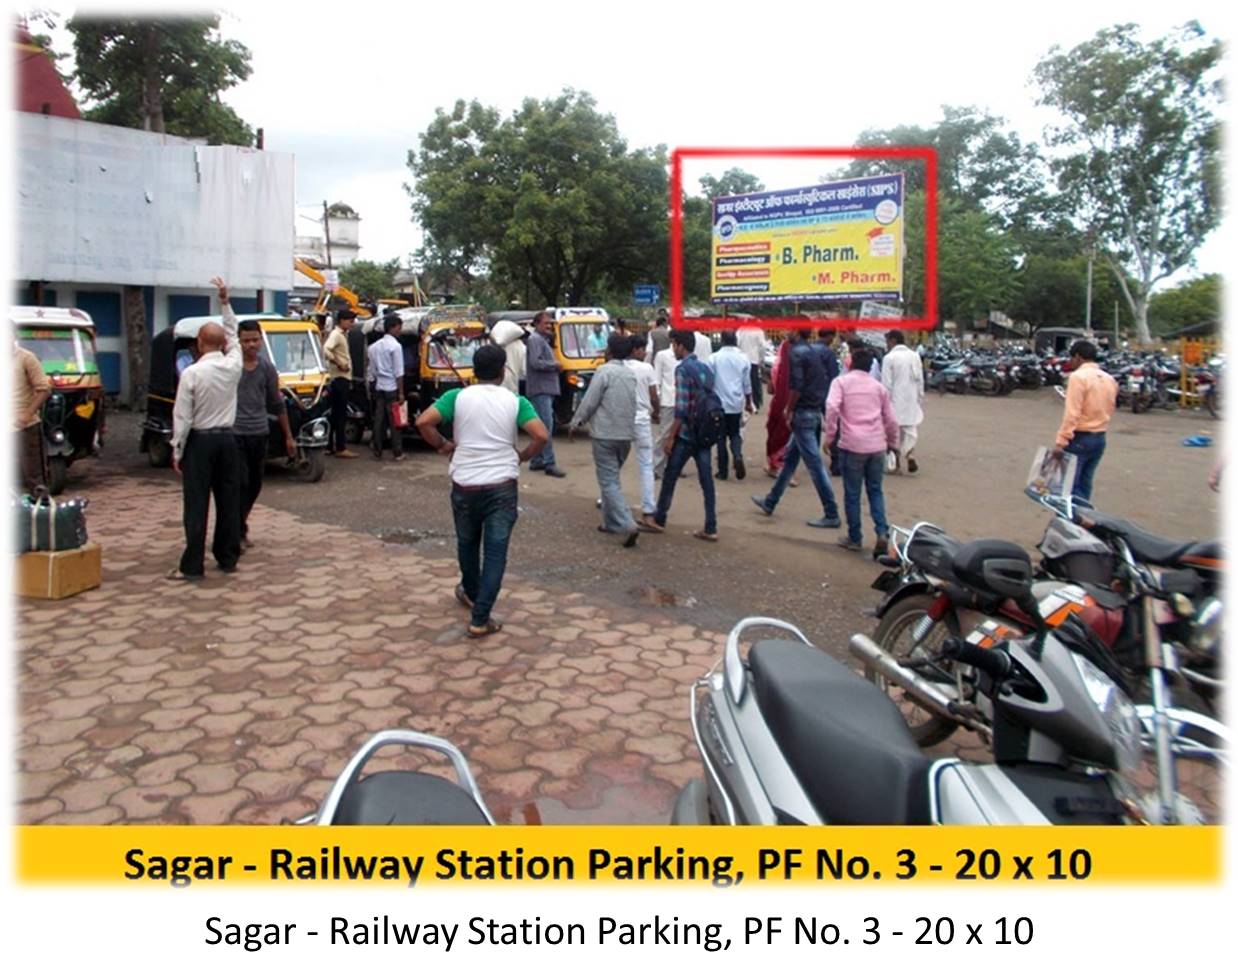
point(708, 421)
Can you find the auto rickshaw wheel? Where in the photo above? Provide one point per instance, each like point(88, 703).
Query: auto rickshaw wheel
point(311, 466)
point(57, 474)
point(159, 453)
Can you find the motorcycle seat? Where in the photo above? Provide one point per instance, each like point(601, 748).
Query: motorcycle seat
point(1144, 545)
point(844, 739)
point(406, 798)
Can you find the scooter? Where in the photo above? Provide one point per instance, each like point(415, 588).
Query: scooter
point(792, 736)
point(405, 797)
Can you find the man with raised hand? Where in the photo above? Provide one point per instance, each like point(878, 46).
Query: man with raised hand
point(204, 448)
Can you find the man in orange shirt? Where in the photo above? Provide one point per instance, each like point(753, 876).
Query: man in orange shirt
point(1091, 400)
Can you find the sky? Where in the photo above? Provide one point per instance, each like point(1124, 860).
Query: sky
point(348, 87)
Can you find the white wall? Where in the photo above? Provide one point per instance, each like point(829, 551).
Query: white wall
point(104, 204)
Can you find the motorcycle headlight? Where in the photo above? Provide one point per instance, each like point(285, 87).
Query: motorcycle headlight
point(1206, 628)
point(318, 429)
point(57, 436)
point(1119, 714)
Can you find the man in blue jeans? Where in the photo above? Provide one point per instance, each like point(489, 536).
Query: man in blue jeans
point(542, 387)
point(485, 465)
point(1091, 400)
point(809, 384)
point(692, 380)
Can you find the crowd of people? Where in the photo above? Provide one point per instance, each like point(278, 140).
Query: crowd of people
point(666, 394)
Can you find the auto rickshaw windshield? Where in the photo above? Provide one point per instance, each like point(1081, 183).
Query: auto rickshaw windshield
point(584, 339)
point(460, 348)
point(296, 352)
point(62, 352)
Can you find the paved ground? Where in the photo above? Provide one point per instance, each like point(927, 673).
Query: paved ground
point(238, 699)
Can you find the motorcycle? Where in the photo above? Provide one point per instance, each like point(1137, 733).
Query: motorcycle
point(1131, 635)
point(790, 735)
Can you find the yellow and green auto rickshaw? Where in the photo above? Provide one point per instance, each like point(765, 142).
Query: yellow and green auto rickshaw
point(292, 346)
point(581, 335)
point(73, 416)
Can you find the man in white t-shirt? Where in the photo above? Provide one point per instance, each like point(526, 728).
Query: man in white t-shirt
point(664, 364)
point(752, 343)
point(647, 412)
point(485, 464)
point(704, 349)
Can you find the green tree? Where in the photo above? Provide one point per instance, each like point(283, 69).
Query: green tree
point(1140, 149)
point(548, 202)
point(977, 271)
point(1194, 301)
point(370, 280)
point(163, 75)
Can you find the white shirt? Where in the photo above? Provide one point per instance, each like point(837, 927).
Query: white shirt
point(664, 365)
point(704, 348)
point(732, 379)
point(902, 373)
point(206, 392)
point(484, 431)
point(645, 380)
point(751, 341)
point(385, 364)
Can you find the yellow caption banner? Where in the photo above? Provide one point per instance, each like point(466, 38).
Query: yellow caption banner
point(722, 857)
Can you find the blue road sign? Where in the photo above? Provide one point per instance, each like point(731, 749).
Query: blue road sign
point(646, 295)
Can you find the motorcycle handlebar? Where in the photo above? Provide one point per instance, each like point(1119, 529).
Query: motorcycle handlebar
point(989, 660)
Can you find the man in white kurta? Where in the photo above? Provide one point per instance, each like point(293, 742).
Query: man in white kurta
point(902, 373)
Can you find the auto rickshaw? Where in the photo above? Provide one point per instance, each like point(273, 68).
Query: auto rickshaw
point(293, 346)
point(73, 416)
point(581, 335)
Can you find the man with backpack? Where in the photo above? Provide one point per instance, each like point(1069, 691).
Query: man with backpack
point(805, 405)
point(696, 429)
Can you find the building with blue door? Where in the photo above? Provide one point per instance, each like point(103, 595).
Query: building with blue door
point(109, 216)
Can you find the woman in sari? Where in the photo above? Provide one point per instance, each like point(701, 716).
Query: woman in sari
point(777, 432)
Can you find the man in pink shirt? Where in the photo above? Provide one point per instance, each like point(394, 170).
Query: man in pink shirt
point(860, 412)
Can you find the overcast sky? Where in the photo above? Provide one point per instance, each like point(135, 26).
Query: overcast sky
point(348, 87)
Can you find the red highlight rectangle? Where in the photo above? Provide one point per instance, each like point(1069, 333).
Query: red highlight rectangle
point(925, 153)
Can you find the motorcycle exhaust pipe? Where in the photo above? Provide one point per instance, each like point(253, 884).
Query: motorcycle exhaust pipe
point(916, 688)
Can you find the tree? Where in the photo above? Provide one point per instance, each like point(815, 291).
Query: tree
point(162, 75)
point(549, 201)
point(977, 271)
point(1141, 149)
point(370, 280)
point(1194, 301)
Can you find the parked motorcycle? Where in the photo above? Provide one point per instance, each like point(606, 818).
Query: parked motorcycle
point(790, 735)
point(1114, 609)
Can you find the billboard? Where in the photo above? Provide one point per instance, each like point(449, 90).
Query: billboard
point(836, 241)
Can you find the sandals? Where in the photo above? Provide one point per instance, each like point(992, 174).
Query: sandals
point(462, 597)
point(649, 524)
point(705, 536)
point(477, 632)
point(176, 575)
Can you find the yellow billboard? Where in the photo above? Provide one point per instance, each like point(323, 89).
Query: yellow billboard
point(840, 241)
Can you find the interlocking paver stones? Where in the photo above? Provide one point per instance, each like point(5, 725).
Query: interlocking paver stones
point(240, 699)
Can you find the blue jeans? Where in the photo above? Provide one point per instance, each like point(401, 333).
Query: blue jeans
point(864, 470)
point(1087, 448)
point(544, 405)
point(805, 442)
point(681, 452)
point(484, 521)
point(608, 459)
